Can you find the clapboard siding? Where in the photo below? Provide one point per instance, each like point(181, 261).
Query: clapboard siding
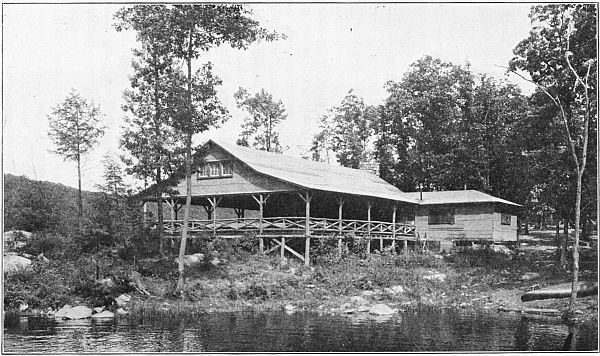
point(243, 181)
point(504, 232)
point(471, 222)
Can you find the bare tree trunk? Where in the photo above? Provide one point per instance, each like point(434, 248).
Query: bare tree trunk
point(79, 199)
point(157, 117)
point(560, 244)
point(186, 213)
point(160, 212)
point(563, 243)
point(576, 242)
point(188, 172)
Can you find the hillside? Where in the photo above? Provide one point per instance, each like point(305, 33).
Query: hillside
point(38, 205)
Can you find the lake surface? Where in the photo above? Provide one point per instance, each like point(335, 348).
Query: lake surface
point(303, 332)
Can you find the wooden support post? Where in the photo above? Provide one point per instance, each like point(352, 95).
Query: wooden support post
point(261, 200)
point(369, 205)
point(208, 212)
point(394, 228)
point(282, 248)
point(214, 202)
point(307, 198)
point(340, 222)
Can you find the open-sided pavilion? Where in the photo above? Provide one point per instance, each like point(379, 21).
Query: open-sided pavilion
point(294, 199)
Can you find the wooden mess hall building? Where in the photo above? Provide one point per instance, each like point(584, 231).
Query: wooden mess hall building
point(289, 201)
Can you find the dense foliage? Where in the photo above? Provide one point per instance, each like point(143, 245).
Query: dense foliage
point(259, 129)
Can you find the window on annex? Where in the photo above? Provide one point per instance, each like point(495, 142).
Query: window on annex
point(215, 169)
point(505, 219)
point(441, 216)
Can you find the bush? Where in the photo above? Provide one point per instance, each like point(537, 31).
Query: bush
point(263, 290)
point(247, 244)
point(100, 294)
point(39, 287)
point(485, 258)
point(160, 268)
point(53, 246)
point(324, 252)
point(357, 246)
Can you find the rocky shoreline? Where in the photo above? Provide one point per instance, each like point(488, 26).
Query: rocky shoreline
point(482, 281)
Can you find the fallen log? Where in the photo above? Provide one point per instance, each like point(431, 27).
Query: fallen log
point(553, 312)
point(562, 290)
point(136, 283)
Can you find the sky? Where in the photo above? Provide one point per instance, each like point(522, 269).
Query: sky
point(330, 48)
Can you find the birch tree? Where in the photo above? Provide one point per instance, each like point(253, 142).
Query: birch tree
point(195, 29)
point(560, 56)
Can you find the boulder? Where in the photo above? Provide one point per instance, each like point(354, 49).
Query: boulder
point(121, 311)
point(13, 263)
point(43, 258)
point(103, 314)
point(62, 311)
point(16, 235)
point(107, 283)
point(16, 239)
point(98, 309)
point(529, 276)
point(345, 306)
point(289, 307)
point(122, 300)
point(191, 260)
point(368, 293)
point(381, 309)
point(358, 300)
point(441, 277)
point(394, 290)
point(363, 308)
point(78, 312)
point(501, 249)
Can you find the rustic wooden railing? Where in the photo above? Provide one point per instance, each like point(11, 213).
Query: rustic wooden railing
point(292, 226)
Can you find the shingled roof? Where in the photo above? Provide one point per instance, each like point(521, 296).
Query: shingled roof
point(315, 175)
point(456, 197)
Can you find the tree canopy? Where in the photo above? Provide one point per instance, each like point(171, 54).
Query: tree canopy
point(75, 127)
point(265, 113)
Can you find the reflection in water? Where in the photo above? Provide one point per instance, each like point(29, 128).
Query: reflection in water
point(308, 332)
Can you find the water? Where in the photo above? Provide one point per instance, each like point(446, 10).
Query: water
point(303, 332)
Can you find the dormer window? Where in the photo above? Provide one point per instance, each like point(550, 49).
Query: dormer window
point(215, 169)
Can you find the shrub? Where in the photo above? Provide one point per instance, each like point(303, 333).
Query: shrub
point(485, 258)
point(40, 286)
point(324, 252)
point(162, 268)
point(248, 244)
point(100, 294)
point(53, 246)
point(357, 246)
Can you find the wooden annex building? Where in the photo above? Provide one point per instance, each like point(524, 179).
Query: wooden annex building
point(288, 201)
point(465, 217)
